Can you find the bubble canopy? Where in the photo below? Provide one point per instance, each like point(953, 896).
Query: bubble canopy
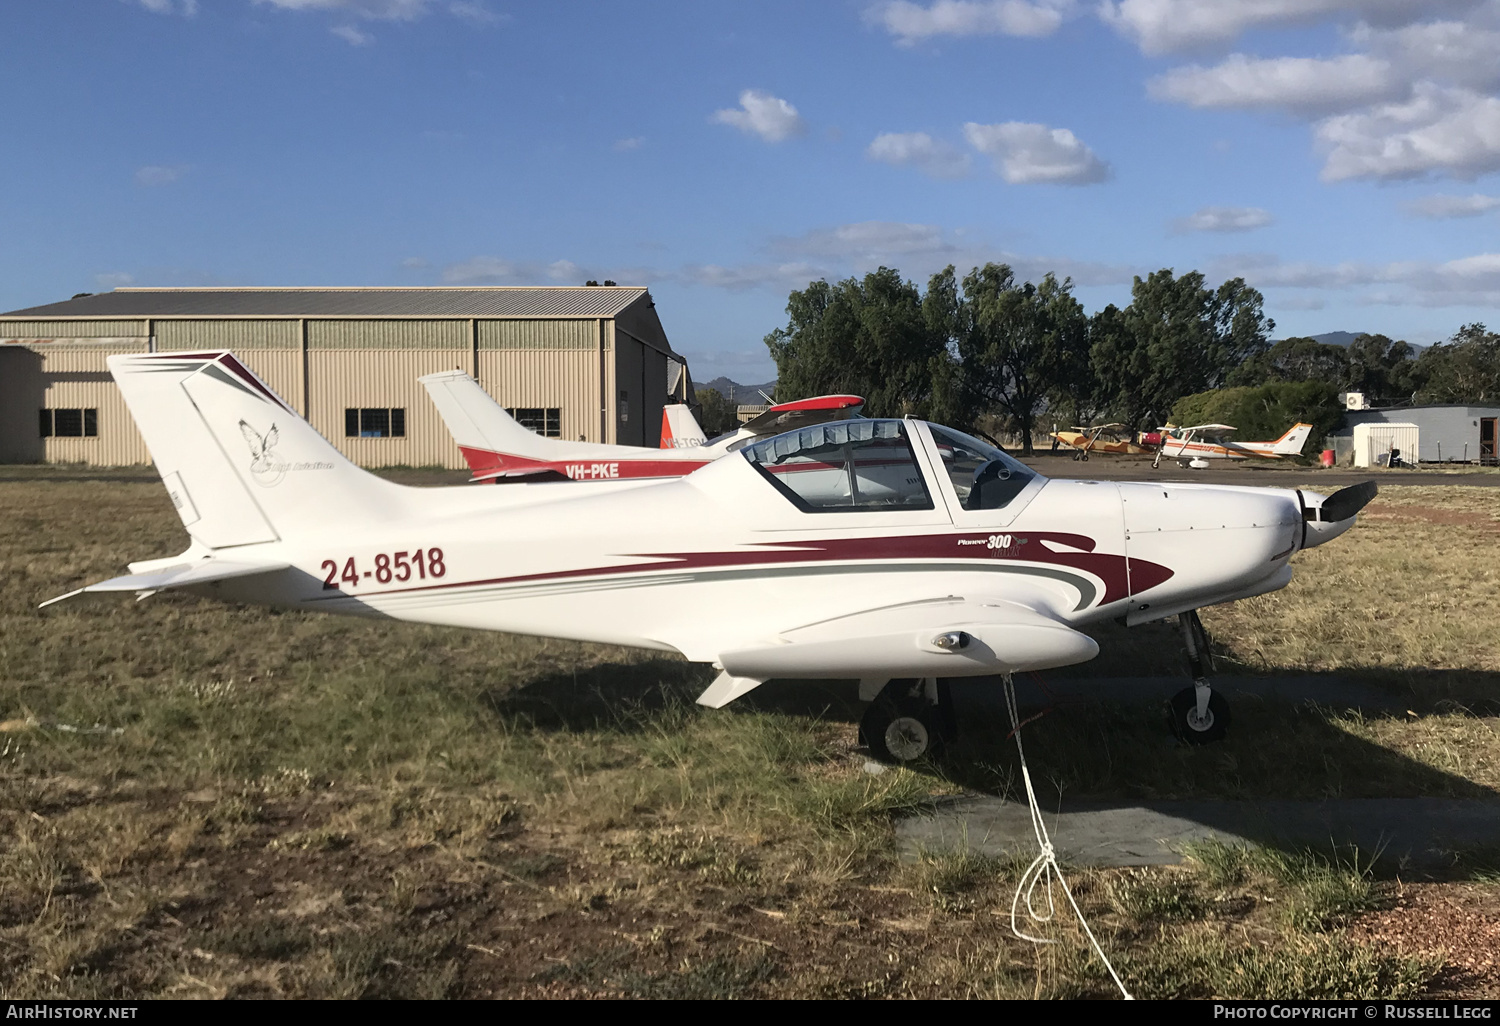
point(871, 465)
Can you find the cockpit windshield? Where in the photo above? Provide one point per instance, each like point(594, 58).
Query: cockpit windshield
point(982, 475)
point(843, 466)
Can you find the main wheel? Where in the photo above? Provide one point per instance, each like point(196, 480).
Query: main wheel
point(900, 729)
point(1185, 722)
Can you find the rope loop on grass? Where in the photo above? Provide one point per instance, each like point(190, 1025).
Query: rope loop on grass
point(1044, 867)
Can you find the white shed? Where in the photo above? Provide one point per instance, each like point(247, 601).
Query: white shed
point(1373, 443)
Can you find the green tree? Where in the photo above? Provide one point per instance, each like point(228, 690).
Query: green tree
point(1464, 369)
point(1014, 343)
point(1380, 368)
point(718, 413)
point(1265, 412)
point(865, 336)
point(1177, 337)
point(1295, 359)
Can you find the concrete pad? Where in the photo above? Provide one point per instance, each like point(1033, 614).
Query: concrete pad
point(1408, 832)
point(1325, 689)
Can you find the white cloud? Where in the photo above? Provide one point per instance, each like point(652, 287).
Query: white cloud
point(482, 270)
point(911, 22)
point(867, 243)
point(760, 113)
point(1444, 207)
point(114, 279)
point(493, 270)
point(1223, 219)
point(1166, 26)
point(635, 142)
point(187, 8)
point(475, 13)
point(741, 278)
point(565, 270)
point(1299, 84)
point(352, 35)
point(918, 149)
point(1027, 153)
point(380, 10)
point(918, 250)
point(160, 174)
point(1439, 131)
point(1459, 52)
point(1466, 281)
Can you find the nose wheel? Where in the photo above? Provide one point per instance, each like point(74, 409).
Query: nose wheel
point(1199, 714)
point(909, 719)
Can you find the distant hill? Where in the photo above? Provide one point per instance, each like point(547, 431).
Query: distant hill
point(749, 395)
point(1344, 338)
point(1337, 338)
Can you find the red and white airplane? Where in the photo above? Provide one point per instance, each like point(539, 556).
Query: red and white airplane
point(897, 552)
point(1194, 448)
point(497, 448)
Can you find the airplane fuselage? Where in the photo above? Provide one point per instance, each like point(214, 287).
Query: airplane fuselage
point(720, 560)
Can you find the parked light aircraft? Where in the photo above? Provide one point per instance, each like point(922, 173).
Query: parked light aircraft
point(896, 552)
point(497, 448)
point(1192, 445)
point(1084, 440)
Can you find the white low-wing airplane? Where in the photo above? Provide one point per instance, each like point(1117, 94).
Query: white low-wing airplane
point(1192, 446)
point(897, 552)
point(498, 448)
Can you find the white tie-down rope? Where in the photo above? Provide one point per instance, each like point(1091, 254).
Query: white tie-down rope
point(1044, 867)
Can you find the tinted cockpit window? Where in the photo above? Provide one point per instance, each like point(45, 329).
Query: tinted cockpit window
point(844, 466)
point(983, 476)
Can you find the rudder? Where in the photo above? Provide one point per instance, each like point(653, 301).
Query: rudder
point(241, 466)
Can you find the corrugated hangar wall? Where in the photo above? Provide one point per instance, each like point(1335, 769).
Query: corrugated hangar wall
point(72, 375)
point(547, 365)
point(606, 384)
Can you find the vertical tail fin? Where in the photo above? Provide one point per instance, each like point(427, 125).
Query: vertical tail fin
point(679, 428)
point(480, 426)
point(241, 466)
point(1291, 443)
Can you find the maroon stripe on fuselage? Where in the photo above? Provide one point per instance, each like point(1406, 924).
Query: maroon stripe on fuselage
point(1113, 570)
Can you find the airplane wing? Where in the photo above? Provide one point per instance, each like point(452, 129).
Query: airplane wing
point(176, 577)
point(938, 637)
point(1207, 427)
point(805, 412)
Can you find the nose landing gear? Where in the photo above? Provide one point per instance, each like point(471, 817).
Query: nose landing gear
point(909, 718)
point(1199, 715)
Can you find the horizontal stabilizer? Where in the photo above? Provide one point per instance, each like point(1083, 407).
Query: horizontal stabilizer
point(176, 577)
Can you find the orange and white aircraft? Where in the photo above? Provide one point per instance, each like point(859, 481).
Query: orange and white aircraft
point(1085, 440)
point(498, 448)
point(1196, 445)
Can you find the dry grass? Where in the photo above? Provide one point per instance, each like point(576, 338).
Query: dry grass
point(282, 804)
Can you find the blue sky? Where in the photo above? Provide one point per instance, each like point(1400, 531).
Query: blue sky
point(1341, 155)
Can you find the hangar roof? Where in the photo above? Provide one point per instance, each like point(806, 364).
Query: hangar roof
point(489, 301)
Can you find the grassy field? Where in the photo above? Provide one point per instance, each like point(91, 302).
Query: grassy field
point(199, 800)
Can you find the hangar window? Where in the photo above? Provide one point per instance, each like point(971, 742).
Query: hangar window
point(69, 423)
point(545, 422)
point(375, 423)
point(845, 466)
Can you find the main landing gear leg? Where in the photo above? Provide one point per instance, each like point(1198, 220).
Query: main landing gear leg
point(1199, 714)
point(909, 718)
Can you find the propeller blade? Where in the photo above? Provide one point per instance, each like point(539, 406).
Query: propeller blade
point(1346, 502)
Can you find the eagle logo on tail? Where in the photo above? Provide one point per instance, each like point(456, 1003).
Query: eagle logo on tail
point(267, 467)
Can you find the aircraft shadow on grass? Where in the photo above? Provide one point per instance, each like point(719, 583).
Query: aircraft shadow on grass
point(1293, 774)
